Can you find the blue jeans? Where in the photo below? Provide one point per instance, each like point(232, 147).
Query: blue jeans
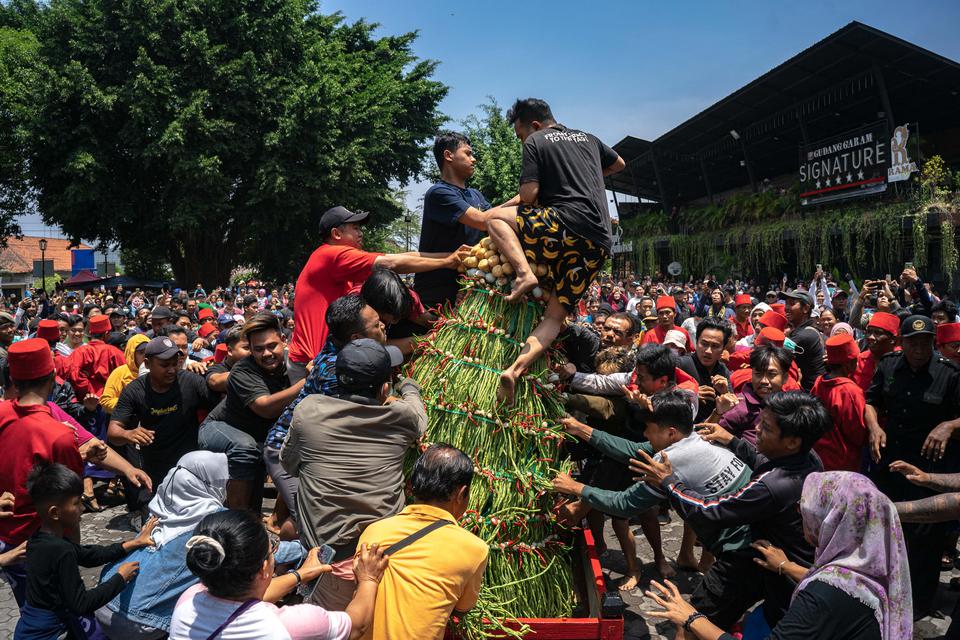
point(244, 454)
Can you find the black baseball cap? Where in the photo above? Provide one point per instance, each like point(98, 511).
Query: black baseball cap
point(162, 347)
point(365, 364)
point(160, 312)
point(917, 325)
point(802, 296)
point(337, 216)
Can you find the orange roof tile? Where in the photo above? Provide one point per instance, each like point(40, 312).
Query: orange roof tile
point(19, 254)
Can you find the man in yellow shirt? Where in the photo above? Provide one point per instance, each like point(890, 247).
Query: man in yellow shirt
point(439, 573)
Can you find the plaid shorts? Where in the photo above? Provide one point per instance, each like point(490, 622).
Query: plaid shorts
point(572, 260)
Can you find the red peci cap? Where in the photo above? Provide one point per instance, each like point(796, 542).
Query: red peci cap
point(48, 330)
point(206, 313)
point(947, 332)
point(886, 321)
point(774, 319)
point(206, 329)
point(99, 324)
point(30, 359)
point(780, 308)
point(842, 348)
point(666, 302)
point(770, 335)
point(743, 298)
point(220, 353)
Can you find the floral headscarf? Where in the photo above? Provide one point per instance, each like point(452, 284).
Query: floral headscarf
point(860, 548)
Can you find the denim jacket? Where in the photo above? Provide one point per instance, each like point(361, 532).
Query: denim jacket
point(149, 598)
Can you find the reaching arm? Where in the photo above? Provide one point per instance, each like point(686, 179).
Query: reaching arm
point(942, 508)
point(600, 385)
point(625, 504)
point(416, 262)
point(217, 382)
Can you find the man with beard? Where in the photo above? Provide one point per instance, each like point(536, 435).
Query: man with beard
point(257, 393)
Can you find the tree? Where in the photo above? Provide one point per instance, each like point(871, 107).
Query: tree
point(497, 150)
point(18, 51)
point(210, 133)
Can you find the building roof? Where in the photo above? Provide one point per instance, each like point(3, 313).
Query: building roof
point(19, 254)
point(831, 87)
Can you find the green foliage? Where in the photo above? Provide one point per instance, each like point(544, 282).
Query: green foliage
point(935, 179)
point(209, 133)
point(143, 265)
point(51, 280)
point(18, 51)
point(400, 234)
point(498, 150)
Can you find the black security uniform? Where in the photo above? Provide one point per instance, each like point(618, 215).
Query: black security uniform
point(910, 404)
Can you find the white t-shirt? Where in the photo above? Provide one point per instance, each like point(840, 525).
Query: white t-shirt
point(198, 614)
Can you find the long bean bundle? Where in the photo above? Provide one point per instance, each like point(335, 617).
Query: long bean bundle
point(515, 450)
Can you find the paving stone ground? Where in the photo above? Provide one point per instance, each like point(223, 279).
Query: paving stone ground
point(113, 525)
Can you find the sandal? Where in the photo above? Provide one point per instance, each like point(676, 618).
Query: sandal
point(90, 504)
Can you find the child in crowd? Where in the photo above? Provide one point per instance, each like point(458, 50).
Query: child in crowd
point(57, 600)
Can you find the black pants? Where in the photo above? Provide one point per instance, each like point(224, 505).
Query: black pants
point(925, 544)
point(735, 583)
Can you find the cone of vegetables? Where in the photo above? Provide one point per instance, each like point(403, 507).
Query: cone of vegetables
point(515, 450)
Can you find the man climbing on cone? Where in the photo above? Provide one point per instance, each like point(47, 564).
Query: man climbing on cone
point(562, 221)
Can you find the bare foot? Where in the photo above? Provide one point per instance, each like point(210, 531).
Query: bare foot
point(664, 568)
point(688, 563)
point(521, 285)
point(270, 523)
point(706, 562)
point(508, 387)
point(630, 582)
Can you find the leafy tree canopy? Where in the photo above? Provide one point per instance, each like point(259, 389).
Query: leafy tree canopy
point(210, 133)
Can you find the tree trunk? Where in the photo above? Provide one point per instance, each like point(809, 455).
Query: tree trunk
point(207, 259)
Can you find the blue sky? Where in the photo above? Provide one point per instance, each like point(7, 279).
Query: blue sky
point(619, 68)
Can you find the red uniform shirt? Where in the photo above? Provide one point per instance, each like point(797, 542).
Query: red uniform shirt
point(744, 328)
point(28, 435)
point(866, 368)
point(741, 377)
point(89, 366)
point(841, 448)
point(657, 334)
point(331, 272)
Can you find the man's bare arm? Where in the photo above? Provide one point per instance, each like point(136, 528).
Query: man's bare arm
point(617, 166)
point(942, 508)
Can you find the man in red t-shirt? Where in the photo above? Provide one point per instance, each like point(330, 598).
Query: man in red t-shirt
point(333, 269)
point(666, 314)
point(29, 434)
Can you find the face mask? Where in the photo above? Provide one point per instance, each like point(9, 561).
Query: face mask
point(792, 346)
point(220, 303)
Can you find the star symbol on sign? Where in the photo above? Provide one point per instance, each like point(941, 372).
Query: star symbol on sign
point(849, 178)
point(828, 182)
point(818, 184)
point(860, 175)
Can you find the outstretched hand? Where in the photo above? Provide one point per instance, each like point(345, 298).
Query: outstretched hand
point(649, 470)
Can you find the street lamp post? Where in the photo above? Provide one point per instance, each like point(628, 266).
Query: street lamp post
point(43, 264)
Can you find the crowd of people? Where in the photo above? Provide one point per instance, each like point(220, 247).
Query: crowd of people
point(803, 433)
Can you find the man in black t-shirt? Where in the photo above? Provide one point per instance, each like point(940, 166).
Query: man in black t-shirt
point(158, 411)
point(257, 393)
point(562, 222)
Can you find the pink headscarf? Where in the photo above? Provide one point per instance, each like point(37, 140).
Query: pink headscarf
point(860, 548)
